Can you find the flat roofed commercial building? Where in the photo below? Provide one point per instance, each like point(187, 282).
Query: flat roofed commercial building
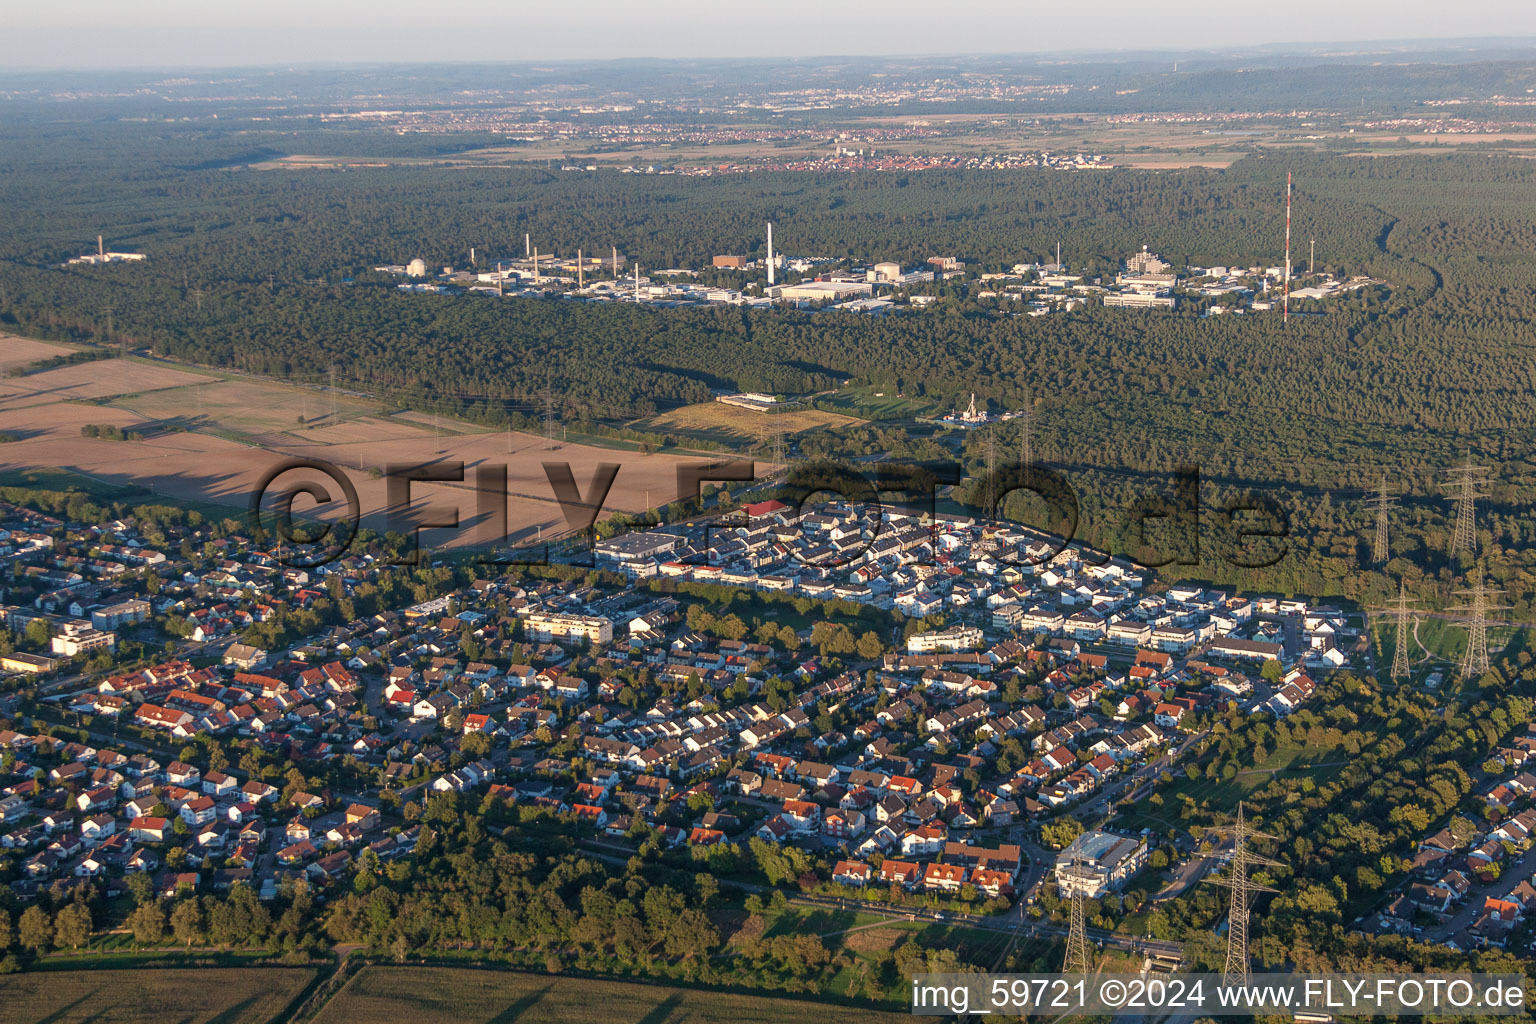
point(1251, 650)
point(22, 662)
point(1099, 862)
point(1139, 300)
point(629, 547)
point(821, 291)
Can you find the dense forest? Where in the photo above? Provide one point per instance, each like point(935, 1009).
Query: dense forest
point(267, 271)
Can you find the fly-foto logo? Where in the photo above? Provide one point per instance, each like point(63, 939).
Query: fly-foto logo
point(1256, 527)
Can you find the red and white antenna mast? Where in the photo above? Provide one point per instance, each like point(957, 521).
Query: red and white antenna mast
point(1285, 317)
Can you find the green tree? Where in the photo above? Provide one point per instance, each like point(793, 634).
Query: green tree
point(36, 929)
point(38, 633)
point(1060, 833)
point(72, 926)
point(148, 924)
point(187, 922)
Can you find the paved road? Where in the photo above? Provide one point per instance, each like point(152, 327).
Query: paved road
point(1189, 873)
point(1015, 921)
point(1514, 873)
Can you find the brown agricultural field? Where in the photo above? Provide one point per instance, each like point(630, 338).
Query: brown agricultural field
point(16, 353)
point(442, 995)
point(254, 409)
point(204, 995)
point(717, 421)
point(216, 449)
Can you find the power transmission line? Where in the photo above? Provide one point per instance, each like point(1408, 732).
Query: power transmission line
point(1467, 483)
point(1236, 971)
point(1027, 433)
point(989, 447)
point(549, 418)
point(1400, 609)
point(1077, 961)
point(1474, 661)
point(1381, 504)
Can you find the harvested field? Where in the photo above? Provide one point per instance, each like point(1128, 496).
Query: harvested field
point(269, 413)
point(18, 352)
point(98, 379)
point(218, 453)
point(443, 995)
point(731, 424)
point(237, 995)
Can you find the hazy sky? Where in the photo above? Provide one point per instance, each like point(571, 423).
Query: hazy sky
point(162, 33)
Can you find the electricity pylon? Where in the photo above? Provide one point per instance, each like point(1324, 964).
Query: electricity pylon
point(550, 424)
point(1381, 504)
point(1467, 483)
point(1236, 970)
point(1400, 609)
point(1474, 662)
point(1077, 961)
point(989, 447)
point(1027, 433)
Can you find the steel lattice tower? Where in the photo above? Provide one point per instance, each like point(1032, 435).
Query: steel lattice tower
point(1027, 433)
point(1466, 483)
point(550, 425)
point(1474, 662)
point(1236, 970)
point(990, 449)
point(1381, 504)
point(1077, 938)
point(1400, 608)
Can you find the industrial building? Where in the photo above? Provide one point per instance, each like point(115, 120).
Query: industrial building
point(1139, 300)
point(821, 291)
point(756, 401)
point(101, 255)
point(631, 547)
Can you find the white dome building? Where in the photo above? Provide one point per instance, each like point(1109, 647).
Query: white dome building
point(416, 268)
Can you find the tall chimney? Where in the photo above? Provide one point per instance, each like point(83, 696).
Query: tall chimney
point(527, 247)
point(770, 252)
point(101, 248)
point(535, 265)
point(580, 277)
